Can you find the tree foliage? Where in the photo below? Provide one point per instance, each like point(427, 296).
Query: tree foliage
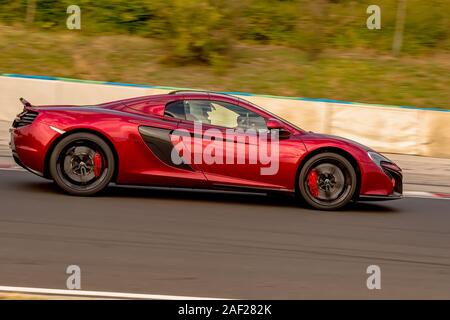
point(204, 30)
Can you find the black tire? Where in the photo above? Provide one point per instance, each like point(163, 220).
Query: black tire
point(82, 164)
point(327, 181)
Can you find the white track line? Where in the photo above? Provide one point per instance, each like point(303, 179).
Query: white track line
point(424, 195)
point(99, 294)
point(419, 194)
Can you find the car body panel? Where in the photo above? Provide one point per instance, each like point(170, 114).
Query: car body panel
point(140, 135)
point(373, 180)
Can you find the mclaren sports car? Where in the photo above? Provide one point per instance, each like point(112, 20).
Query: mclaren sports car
point(196, 140)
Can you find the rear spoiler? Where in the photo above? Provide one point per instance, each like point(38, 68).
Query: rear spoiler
point(25, 103)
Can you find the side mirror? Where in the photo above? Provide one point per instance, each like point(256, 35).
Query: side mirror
point(275, 124)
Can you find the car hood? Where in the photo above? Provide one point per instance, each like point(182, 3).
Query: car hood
point(319, 136)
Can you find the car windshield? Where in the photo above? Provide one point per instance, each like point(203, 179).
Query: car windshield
point(273, 115)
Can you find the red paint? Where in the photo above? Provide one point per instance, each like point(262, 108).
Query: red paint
point(118, 122)
point(98, 164)
point(312, 183)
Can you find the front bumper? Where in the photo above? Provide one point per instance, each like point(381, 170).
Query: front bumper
point(384, 182)
point(393, 196)
point(396, 178)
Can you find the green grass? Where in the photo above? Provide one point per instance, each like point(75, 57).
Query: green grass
point(343, 74)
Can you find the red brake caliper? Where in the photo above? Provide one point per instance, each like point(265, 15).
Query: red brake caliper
point(98, 164)
point(312, 183)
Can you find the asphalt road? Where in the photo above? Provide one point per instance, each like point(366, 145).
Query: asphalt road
point(220, 245)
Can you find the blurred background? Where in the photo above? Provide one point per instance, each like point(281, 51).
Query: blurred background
point(315, 49)
point(214, 245)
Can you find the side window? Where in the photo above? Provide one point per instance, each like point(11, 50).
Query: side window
point(175, 109)
point(223, 114)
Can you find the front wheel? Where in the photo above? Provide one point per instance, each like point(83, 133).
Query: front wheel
point(327, 181)
point(82, 164)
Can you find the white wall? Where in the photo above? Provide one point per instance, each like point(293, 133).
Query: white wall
point(386, 129)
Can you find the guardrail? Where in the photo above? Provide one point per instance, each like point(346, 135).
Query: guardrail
point(405, 130)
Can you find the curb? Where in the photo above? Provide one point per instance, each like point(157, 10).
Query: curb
point(423, 194)
point(11, 166)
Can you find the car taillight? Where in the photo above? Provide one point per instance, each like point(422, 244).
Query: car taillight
point(25, 118)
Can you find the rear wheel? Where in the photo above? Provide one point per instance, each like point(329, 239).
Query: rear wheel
point(82, 164)
point(327, 181)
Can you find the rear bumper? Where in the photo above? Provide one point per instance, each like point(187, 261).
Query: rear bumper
point(12, 146)
point(20, 163)
point(29, 145)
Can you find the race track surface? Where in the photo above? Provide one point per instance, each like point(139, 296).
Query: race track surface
point(220, 245)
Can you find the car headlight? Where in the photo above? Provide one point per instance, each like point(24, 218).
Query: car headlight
point(378, 158)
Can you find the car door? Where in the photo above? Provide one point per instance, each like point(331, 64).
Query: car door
point(161, 165)
point(226, 141)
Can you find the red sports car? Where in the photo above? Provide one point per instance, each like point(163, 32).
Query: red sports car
point(201, 140)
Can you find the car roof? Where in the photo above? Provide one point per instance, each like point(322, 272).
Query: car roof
point(202, 94)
